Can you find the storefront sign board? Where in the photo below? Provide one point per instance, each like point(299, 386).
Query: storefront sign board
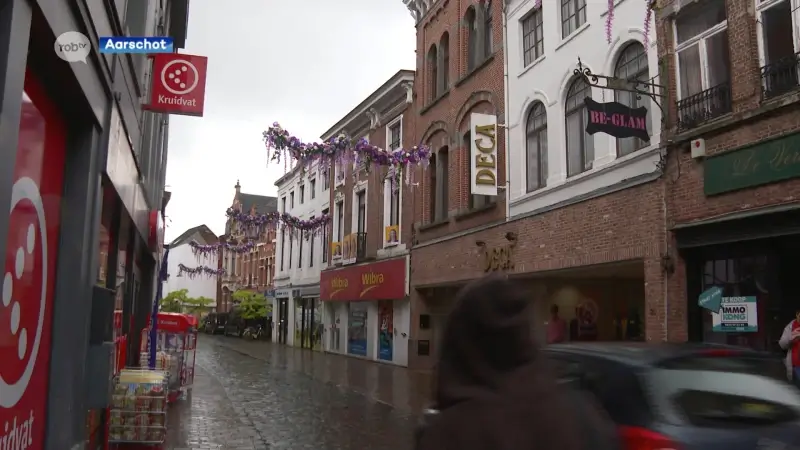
point(483, 154)
point(616, 119)
point(178, 84)
point(383, 280)
point(711, 299)
point(736, 315)
point(754, 165)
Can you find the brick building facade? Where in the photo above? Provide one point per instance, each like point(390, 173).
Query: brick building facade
point(364, 290)
point(731, 189)
point(253, 270)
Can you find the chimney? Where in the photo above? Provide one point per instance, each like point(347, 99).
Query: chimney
point(238, 188)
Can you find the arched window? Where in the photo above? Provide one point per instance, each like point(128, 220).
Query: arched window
point(536, 146)
point(443, 180)
point(632, 65)
point(433, 77)
point(433, 186)
point(580, 144)
point(471, 22)
point(444, 62)
point(487, 28)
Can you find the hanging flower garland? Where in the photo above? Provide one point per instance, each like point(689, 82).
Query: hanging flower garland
point(212, 249)
point(651, 6)
point(342, 150)
point(285, 221)
point(194, 272)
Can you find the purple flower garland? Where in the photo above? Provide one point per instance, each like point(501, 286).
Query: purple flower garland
point(212, 249)
point(194, 272)
point(279, 219)
point(342, 150)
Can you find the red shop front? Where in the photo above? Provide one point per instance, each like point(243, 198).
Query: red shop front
point(367, 312)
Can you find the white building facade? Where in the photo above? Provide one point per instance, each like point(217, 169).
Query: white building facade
point(181, 253)
point(553, 160)
point(299, 258)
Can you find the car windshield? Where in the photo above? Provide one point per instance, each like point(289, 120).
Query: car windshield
point(724, 391)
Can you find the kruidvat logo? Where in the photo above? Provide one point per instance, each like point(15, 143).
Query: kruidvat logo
point(73, 46)
point(135, 45)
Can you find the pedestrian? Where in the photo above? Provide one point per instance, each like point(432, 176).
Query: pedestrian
point(790, 342)
point(557, 327)
point(494, 389)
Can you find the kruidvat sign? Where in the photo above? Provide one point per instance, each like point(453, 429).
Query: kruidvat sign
point(178, 84)
point(483, 154)
point(617, 120)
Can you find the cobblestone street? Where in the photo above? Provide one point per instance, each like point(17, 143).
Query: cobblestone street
point(254, 395)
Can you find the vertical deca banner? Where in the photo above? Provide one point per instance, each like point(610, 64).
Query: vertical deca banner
point(178, 84)
point(483, 154)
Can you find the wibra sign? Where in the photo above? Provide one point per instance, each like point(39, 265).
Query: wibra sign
point(178, 84)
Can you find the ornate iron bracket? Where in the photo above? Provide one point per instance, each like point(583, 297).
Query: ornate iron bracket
point(652, 90)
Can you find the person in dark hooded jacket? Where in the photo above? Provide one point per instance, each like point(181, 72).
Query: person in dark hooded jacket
point(494, 389)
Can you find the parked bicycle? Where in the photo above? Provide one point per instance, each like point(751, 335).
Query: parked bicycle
point(254, 333)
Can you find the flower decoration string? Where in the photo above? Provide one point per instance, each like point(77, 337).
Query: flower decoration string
point(651, 4)
point(609, 20)
point(212, 249)
point(283, 220)
point(194, 272)
point(342, 150)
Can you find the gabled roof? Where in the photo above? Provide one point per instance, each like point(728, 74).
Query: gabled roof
point(263, 203)
point(206, 235)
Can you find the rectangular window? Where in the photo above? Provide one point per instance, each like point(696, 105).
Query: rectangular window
point(394, 136)
point(573, 15)
point(532, 37)
point(325, 239)
point(311, 248)
point(777, 46)
point(362, 211)
point(326, 179)
point(291, 245)
point(283, 204)
point(313, 187)
point(283, 245)
point(302, 193)
point(300, 239)
point(291, 200)
point(394, 205)
point(339, 221)
point(701, 34)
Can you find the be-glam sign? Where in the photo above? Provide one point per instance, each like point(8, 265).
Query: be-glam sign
point(616, 119)
point(483, 154)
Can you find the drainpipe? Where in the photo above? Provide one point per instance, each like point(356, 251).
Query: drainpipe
point(507, 134)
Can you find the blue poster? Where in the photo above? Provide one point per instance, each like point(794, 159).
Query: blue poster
point(357, 330)
point(385, 330)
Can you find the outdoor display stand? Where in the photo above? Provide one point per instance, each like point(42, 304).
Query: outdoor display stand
point(176, 343)
point(138, 414)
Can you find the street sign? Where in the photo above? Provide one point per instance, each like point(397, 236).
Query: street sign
point(711, 299)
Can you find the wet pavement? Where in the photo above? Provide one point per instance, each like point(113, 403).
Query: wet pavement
point(255, 395)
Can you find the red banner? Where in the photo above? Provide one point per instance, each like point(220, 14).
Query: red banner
point(30, 270)
point(383, 280)
point(178, 84)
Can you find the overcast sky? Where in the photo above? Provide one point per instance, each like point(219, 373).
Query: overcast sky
point(303, 63)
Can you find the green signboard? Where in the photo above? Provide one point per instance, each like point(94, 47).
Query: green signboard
point(754, 165)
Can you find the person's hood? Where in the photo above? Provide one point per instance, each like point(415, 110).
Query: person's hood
point(487, 342)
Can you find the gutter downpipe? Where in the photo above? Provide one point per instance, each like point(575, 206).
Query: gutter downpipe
point(507, 134)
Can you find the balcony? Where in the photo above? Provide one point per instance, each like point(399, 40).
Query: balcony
point(781, 76)
point(704, 106)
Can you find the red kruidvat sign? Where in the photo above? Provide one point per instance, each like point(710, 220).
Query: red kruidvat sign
point(178, 84)
point(384, 280)
point(29, 275)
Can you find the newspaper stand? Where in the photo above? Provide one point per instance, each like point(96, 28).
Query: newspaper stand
point(138, 414)
point(176, 343)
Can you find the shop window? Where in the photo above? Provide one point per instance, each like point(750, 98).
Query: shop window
point(424, 348)
point(737, 277)
point(424, 321)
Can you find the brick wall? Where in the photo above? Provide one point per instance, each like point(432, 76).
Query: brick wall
point(442, 121)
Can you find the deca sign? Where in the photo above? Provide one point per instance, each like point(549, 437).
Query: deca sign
point(483, 154)
point(178, 84)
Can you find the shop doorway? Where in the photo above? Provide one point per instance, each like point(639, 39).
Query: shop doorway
point(310, 332)
point(283, 320)
point(386, 330)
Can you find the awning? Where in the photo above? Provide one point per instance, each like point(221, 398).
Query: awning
point(750, 224)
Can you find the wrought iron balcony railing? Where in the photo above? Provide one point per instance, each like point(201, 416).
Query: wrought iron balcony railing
point(781, 76)
point(704, 106)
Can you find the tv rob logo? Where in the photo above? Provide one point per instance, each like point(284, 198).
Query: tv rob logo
point(73, 46)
